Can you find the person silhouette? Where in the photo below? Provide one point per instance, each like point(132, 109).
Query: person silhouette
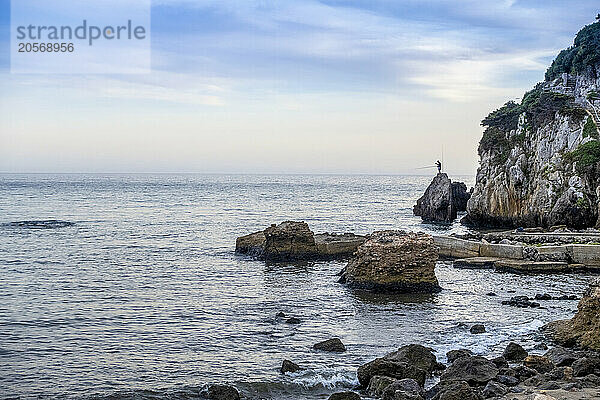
point(438, 164)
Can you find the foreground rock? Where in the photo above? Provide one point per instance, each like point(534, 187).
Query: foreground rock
point(289, 366)
point(474, 370)
point(442, 200)
point(394, 261)
point(584, 328)
point(345, 396)
point(294, 241)
point(222, 392)
point(409, 362)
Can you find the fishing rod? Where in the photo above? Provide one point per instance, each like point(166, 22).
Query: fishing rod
point(433, 166)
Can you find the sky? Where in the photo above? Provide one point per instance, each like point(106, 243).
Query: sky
point(267, 86)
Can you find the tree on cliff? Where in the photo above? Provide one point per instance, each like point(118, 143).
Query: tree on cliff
point(584, 52)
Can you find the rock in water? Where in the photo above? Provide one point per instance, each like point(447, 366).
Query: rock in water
point(442, 200)
point(394, 261)
point(223, 392)
point(333, 345)
point(293, 241)
point(289, 366)
point(289, 241)
point(584, 328)
point(252, 244)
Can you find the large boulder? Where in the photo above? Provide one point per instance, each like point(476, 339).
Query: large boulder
point(453, 390)
point(474, 370)
point(408, 362)
point(442, 200)
point(222, 392)
point(394, 261)
point(584, 328)
point(252, 245)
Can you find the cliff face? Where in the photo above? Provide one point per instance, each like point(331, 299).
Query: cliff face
point(540, 159)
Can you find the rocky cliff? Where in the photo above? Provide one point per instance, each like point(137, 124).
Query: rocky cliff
point(540, 159)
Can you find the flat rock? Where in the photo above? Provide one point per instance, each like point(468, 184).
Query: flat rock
point(476, 262)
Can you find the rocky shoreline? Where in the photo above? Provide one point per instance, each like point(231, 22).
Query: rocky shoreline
point(569, 370)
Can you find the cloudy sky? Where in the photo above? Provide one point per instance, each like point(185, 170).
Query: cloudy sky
point(296, 86)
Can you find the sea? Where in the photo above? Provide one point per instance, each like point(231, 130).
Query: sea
point(128, 287)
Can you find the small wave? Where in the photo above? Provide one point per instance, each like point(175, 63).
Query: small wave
point(41, 224)
point(328, 378)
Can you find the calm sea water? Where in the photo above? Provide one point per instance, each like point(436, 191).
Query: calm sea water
point(143, 296)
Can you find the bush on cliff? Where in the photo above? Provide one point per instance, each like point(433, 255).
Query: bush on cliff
point(585, 155)
point(584, 52)
point(590, 129)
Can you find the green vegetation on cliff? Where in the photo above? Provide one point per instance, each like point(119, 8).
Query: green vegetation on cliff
point(584, 52)
point(585, 155)
point(590, 129)
point(538, 105)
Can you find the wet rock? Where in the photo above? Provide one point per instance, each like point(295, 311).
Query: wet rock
point(404, 389)
point(500, 362)
point(585, 366)
point(345, 396)
point(494, 389)
point(477, 328)
point(491, 294)
point(293, 321)
point(584, 328)
point(442, 200)
point(453, 390)
point(393, 369)
point(560, 356)
point(222, 392)
point(521, 302)
point(289, 241)
point(332, 345)
point(334, 246)
point(507, 380)
point(540, 363)
point(454, 355)
point(394, 261)
point(514, 352)
point(378, 384)
point(475, 370)
point(417, 355)
point(252, 245)
point(280, 315)
point(288, 366)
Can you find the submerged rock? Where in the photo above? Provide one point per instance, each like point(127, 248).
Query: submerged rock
point(333, 345)
point(584, 328)
point(442, 200)
point(394, 261)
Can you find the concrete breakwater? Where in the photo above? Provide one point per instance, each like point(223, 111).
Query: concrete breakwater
point(519, 257)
